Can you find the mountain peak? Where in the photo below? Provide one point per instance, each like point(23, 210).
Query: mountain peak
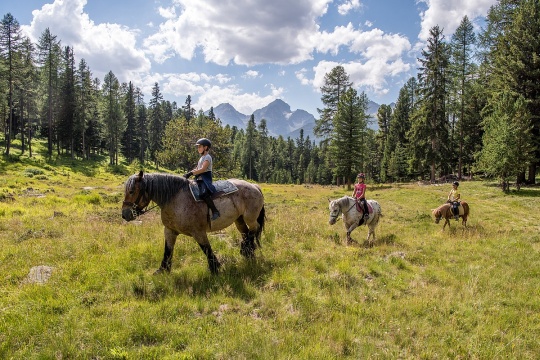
point(280, 120)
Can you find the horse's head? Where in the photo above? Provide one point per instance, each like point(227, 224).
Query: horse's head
point(335, 211)
point(438, 215)
point(136, 198)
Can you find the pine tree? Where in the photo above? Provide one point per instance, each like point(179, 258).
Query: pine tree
point(349, 135)
point(508, 140)
point(335, 85)
point(155, 122)
point(66, 120)
point(463, 69)
point(384, 117)
point(27, 94)
point(10, 45)
point(130, 138)
point(263, 160)
point(49, 58)
point(429, 121)
point(249, 154)
point(513, 64)
point(142, 128)
point(85, 100)
point(114, 117)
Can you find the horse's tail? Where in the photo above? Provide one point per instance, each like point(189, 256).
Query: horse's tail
point(466, 209)
point(260, 219)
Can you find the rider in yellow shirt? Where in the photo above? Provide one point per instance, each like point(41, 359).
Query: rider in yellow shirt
point(454, 198)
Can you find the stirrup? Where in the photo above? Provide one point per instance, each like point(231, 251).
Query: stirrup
point(215, 215)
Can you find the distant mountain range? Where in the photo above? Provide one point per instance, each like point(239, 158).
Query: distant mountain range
point(280, 120)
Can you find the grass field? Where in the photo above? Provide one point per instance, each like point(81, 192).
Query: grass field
point(418, 293)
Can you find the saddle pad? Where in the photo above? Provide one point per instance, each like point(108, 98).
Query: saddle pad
point(223, 187)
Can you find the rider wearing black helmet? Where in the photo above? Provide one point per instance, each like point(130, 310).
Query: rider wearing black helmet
point(454, 198)
point(203, 173)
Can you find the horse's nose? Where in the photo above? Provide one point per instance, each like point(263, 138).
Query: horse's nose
point(127, 215)
point(332, 221)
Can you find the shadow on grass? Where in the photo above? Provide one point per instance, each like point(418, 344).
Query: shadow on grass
point(526, 192)
point(233, 279)
point(389, 239)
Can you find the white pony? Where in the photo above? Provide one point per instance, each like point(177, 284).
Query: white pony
point(351, 216)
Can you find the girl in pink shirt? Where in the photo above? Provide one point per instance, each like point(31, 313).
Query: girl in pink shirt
point(360, 193)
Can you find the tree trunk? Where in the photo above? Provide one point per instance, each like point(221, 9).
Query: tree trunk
point(532, 174)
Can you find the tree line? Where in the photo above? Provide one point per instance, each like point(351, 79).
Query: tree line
point(473, 108)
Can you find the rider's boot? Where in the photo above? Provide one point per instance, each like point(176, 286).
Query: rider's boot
point(366, 211)
point(208, 200)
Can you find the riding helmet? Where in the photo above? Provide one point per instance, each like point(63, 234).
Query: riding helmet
point(455, 183)
point(361, 175)
point(204, 142)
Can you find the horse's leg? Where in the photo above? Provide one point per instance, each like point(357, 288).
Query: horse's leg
point(371, 232)
point(213, 262)
point(350, 230)
point(170, 240)
point(446, 221)
point(247, 246)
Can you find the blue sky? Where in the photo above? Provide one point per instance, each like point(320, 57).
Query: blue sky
point(247, 52)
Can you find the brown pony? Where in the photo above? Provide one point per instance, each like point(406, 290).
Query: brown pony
point(445, 211)
point(181, 214)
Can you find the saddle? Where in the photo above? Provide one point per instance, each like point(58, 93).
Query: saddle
point(460, 209)
point(360, 208)
point(223, 187)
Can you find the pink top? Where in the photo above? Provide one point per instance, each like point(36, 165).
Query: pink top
point(360, 190)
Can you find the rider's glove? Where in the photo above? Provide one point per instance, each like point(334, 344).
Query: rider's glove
point(187, 175)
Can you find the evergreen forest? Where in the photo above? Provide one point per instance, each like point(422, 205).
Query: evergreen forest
point(473, 110)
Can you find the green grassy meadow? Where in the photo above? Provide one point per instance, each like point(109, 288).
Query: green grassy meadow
point(418, 293)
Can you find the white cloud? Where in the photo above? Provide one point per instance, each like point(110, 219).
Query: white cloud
point(380, 57)
point(301, 75)
point(251, 74)
point(167, 13)
point(228, 33)
point(243, 32)
point(105, 47)
point(347, 6)
point(448, 14)
point(370, 75)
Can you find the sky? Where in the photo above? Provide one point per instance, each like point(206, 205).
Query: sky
point(247, 52)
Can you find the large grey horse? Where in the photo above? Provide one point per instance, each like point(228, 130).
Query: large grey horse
point(182, 214)
point(352, 216)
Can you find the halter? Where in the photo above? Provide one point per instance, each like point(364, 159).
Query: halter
point(335, 217)
point(339, 211)
point(135, 205)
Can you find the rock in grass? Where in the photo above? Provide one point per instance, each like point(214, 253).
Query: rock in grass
point(39, 274)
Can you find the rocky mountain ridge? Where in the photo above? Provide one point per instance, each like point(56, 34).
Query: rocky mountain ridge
point(280, 119)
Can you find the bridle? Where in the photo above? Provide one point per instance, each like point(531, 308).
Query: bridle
point(135, 211)
point(335, 217)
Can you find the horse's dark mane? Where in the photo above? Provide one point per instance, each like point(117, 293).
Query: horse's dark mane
point(161, 187)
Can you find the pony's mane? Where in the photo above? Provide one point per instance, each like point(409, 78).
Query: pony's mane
point(344, 201)
point(161, 187)
point(440, 209)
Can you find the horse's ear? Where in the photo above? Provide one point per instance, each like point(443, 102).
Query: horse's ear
point(140, 174)
point(329, 200)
